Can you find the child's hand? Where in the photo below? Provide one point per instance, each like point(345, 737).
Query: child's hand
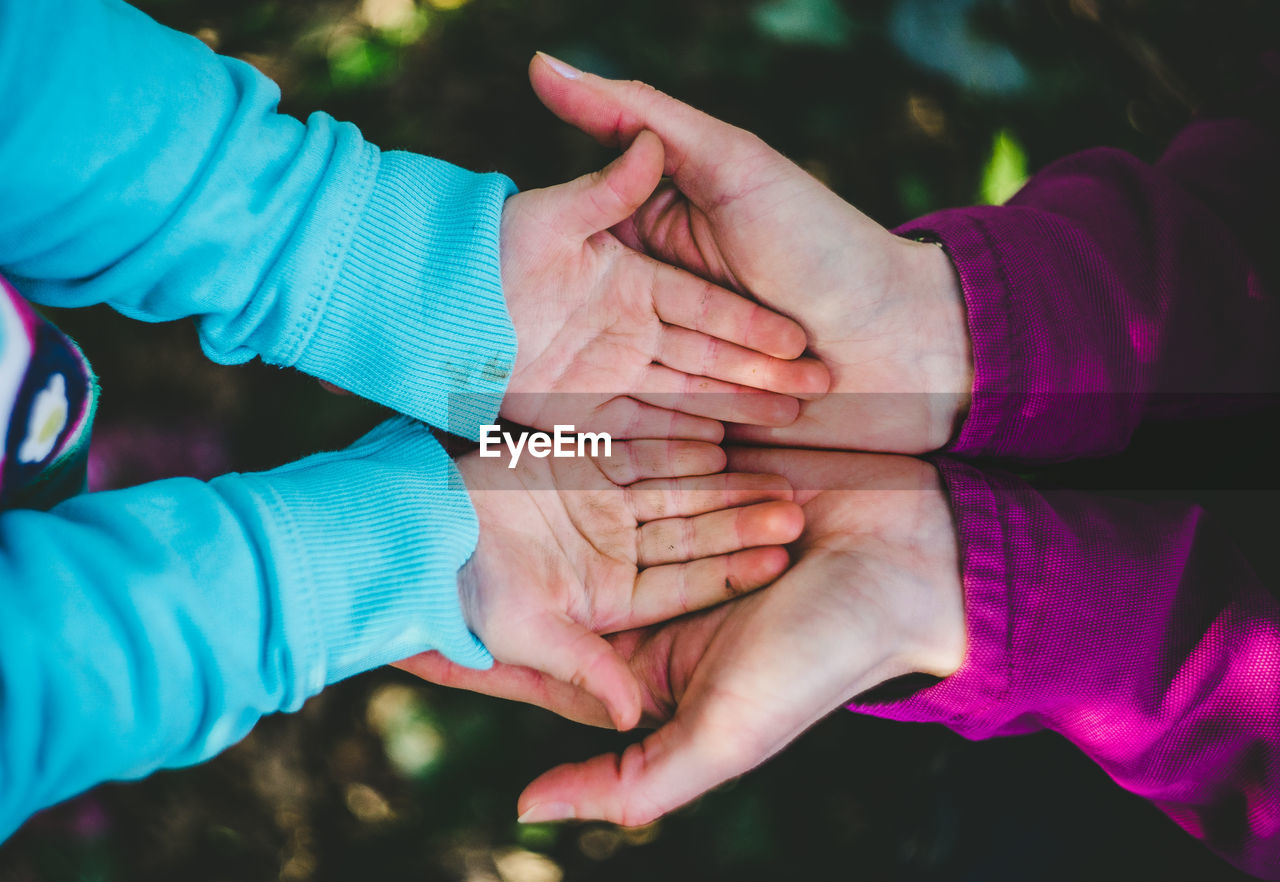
point(573, 548)
point(613, 340)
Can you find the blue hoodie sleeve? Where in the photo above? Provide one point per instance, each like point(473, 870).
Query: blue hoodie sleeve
point(154, 626)
point(140, 169)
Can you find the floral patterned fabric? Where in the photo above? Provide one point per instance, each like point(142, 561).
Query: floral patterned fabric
point(47, 399)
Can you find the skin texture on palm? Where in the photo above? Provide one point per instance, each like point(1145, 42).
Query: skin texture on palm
point(612, 340)
point(884, 314)
point(874, 593)
point(571, 548)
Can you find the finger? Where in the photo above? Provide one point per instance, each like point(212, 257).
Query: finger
point(683, 759)
point(601, 199)
point(682, 299)
point(631, 461)
point(808, 465)
point(672, 540)
point(715, 399)
point(672, 590)
point(513, 683)
point(816, 470)
point(683, 497)
point(704, 155)
point(564, 649)
point(624, 417)
point(701, 355)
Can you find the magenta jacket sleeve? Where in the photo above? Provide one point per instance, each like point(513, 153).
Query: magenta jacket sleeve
point(1135, 630)
point(1109, 290)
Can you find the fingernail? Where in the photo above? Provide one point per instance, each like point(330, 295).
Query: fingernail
point(568, 71)
point(547, 811)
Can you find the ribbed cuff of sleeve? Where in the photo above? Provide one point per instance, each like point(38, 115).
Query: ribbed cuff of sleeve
point(991, 325)
point(363, 547)
point(974, 699)
point(416, 319)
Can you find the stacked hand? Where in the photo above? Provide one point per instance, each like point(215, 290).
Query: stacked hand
point(612, 339)
point(873, 593)
point(873, 590)
point(884, 314)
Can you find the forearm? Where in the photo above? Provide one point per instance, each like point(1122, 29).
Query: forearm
point(144, 171)
point(154, 626)
point(1138, 632)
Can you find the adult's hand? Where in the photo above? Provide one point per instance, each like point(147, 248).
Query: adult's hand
point(613, 340)
point(873, 594)
point(573, 548)
point(884, 314)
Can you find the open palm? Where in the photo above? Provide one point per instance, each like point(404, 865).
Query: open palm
point(616, 341)
point(573, 548)
point(874, 593)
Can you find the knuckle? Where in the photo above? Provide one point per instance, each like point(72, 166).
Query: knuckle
point(641, 89)
point(659, 506)
point(634, 467)
point(688, 537)
point(746, 147)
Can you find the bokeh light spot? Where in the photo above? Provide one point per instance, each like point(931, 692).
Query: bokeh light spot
point(519, 865)
point(410, 736)
point(1005, 171)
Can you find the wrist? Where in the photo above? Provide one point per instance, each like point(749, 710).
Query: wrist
point(476, 480)
point(468, 583)
point(942, 350)
point(930, 614)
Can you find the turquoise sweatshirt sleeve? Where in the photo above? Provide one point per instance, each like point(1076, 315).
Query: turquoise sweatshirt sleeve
point(140, 169)
point(153, 626)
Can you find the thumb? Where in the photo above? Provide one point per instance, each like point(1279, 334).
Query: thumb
point(675, 764)
point(602, 199)
point(704, 156)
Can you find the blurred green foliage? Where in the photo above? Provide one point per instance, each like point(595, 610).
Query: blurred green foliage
point(902, 107)
point(1005, 171)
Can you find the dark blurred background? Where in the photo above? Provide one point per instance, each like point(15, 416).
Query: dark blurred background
point(901, 106)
